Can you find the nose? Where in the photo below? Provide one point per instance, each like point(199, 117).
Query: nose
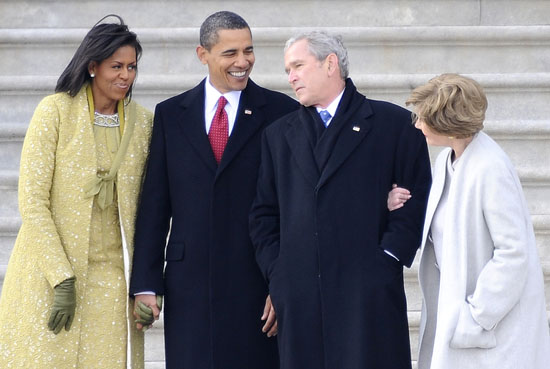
point(241, 61)
point(124, 73)
point(292, 77)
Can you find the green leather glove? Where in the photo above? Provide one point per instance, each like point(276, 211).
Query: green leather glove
point(145, 313)
point(64, 305)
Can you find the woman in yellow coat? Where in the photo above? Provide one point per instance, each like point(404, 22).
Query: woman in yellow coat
point(64, 302)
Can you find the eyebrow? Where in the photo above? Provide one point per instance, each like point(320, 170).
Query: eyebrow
point(231, 51)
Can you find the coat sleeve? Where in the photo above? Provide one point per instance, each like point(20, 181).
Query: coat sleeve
point(264, 215)
point(36, 172)
point(501, 282)
point(153, 218)
point(412, 171)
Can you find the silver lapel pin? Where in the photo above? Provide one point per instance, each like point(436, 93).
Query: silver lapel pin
point(248, 112)
point(356, 128)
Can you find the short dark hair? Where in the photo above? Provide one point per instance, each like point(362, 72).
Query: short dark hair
point(219, 21)
point(102, 41)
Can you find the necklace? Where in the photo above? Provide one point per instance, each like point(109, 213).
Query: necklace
point(106, 120)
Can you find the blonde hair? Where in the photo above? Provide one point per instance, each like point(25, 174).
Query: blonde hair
point(450, 105)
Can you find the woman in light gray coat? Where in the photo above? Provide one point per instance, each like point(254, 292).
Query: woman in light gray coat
point(482, 283)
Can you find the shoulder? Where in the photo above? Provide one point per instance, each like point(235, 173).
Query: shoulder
point(172, 101)
point(389, 111)
point(58, 104)
point(282, 124)
point(175, 101)
point(487, 164)
point(485, 155)
point(142, 111)
point(57, 99)
point(143, 116)
point(273, 99)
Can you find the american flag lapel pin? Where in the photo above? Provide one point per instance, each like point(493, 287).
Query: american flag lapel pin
point(248, 112)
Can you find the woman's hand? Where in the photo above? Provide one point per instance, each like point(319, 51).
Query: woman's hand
point(397, 197)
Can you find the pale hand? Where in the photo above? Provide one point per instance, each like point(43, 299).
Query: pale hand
point(397, 197)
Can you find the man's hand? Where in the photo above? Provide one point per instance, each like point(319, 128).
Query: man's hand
point(270, 318)
point(146, 310)
point(397, 197)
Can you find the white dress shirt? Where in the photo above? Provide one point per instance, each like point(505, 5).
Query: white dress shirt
point(331, 108)
point(211, 97)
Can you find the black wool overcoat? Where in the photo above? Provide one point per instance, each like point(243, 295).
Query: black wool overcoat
point(320, 225)
point(214, 292)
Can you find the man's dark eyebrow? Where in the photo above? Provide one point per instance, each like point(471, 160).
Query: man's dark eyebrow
point(232, 51)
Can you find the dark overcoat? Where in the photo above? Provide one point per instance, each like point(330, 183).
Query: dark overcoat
point(320, 225)
point(214, 291)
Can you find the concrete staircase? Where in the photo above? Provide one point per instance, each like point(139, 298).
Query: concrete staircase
point(393, 46)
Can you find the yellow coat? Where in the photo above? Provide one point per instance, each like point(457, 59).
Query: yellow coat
point(58, 159)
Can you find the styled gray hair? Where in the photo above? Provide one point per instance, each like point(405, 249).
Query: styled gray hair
point(321, 44)
point(216, 22)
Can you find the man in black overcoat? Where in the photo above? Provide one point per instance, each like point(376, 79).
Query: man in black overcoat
point(332, 253)
point(214, 293)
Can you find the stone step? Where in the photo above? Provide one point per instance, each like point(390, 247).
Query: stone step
point(401, 50)
point(512, 96)
point(177, 13)
point(525, 141)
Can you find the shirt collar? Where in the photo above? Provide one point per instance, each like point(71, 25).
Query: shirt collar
point(331, 108)
point(211, 97)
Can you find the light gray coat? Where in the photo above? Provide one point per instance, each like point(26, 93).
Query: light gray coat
point(486, 307)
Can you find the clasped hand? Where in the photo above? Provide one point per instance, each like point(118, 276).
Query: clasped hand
point(147, 310)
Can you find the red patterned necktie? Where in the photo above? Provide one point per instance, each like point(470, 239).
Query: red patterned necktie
point(218, 133)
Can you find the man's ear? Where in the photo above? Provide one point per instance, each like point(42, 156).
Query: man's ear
point(332, 64)
point(202, 54)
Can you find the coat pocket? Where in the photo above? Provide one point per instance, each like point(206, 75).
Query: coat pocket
point(469, 334)
point(175, 251)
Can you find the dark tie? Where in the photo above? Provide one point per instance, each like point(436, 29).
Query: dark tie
point(219, 130)
point(325, 116)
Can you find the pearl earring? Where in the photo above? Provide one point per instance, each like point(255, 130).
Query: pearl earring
point(92, 75)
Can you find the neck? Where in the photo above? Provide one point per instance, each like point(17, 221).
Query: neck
point(107, 108)
point(335, 92)
point(102, 104)
point(459, 145)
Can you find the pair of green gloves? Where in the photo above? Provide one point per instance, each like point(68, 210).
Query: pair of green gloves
point(145, 313)
point(64, 305)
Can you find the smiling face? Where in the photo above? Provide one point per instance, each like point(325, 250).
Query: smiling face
point(308, 76)
point(113, 78)
point(230, 60)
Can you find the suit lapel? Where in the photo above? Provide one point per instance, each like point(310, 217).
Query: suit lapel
point(353, 132)
point(300, 146)
point(249, 119)
point(191, 120)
